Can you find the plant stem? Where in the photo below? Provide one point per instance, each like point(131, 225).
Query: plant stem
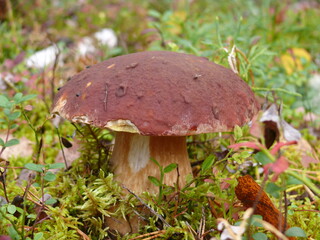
point(306, 181)
point(12, 223)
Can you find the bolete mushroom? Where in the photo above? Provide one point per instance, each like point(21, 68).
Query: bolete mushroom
point(153, 100)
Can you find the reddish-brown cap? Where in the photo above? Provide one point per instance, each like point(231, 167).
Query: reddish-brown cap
point(157, 93)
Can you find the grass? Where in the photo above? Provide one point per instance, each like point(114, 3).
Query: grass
point(277, 53)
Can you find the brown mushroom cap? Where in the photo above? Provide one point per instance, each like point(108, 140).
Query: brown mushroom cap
point(157, 93)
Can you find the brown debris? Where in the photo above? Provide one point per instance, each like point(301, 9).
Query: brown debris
point(248, 192)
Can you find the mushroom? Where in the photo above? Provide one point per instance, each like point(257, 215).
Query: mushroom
point(153, 100)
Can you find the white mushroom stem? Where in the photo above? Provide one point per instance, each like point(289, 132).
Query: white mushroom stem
point(132, 165)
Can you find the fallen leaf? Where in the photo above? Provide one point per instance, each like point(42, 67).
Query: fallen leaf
point(291, 60)
point(278, 167)
point(307, 160)
point(248, 191)
point(276, 127)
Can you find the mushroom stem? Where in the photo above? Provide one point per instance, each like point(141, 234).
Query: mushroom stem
point(132, 165)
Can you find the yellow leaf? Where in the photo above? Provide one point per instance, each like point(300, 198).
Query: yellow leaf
point(175, 21)
point(291, 60)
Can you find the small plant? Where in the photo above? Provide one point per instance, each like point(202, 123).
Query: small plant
point(163, 170)
point(12, 109)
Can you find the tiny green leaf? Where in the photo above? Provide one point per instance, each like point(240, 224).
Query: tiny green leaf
point(295, 232)
point(255, 222)
point(11, 209)
point(293, 181)
point(7, 111)
point(154, 13)
point(155, 161)
point(259, 236)
point(4, 101)
point(28, 97)
point(273, 189)
point(262, 158)
point(51, 201)
point(11, 142)
point(49, 176)
point(13, 233)
point(32, 216)
point(55, 165)
point(207, 163)
point(14, 126)
point(34, 167)
point(237, 132)
point(17, 97)
point(1, 142)
point(38, 236)
point(154, 180)
point(13, 116)
point(170, 167)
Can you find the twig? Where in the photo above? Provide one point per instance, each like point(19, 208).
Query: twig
point(272, 229)
point(156, 234)
point(56, 61)
point(310, 193)
point(151, 210)
point(62, 150)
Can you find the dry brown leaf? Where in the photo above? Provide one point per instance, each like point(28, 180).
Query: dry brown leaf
point(248, 192)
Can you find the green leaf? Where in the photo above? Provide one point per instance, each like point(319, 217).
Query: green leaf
point(154, 13)
point(208, 162)
point(4, 101)
point(293, 181)
point(32, 216)
point(1, 142)
point(273, 189)
point(11, 142)
point(7, 111)
point(13, 116)
point(28, 97)
point(170, 167)
point(51, 201)
point(295, 232)
point(55, 165)
point(14, 126)
point(13, 233)
point(38, 236)
point(17, 97)
point(237, 132)
point(11, 209)
point(49, 176)
point(255, 222)
point(155, 181)
point(36, 185)
point(34, 167)
point(262, 158)
point(259, 236)
point(156, 162)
